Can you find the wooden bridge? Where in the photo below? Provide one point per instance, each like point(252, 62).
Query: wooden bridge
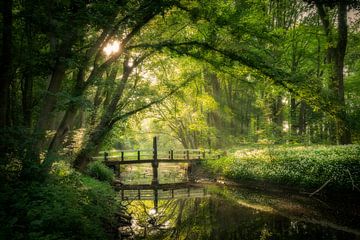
point(115, 158)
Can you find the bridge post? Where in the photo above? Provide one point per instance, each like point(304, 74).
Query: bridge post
point(155, 163)
point(117, 170)
point(171, 154)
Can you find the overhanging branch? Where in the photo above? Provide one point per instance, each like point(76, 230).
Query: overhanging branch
point(146, 106)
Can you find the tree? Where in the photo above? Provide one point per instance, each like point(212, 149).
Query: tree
point(6, 64)
point(336, 50)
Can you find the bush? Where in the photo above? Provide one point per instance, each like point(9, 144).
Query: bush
point(101, 172)
point(72, 206)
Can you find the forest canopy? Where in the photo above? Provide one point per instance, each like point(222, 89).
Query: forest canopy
point(269, 84)
point(78, 76)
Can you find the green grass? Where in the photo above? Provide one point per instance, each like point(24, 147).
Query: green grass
point(307, 167)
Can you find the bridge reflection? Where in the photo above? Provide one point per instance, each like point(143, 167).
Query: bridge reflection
point(158, 192)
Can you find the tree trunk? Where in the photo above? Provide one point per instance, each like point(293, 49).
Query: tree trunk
point(293, 116)
point(302, 119)
point(335, 56)
point(277, 116)
point(95, 139)
point(50, 98)
point(27, 99)
point(343, 130)
point(103, 128)
point(6, 61)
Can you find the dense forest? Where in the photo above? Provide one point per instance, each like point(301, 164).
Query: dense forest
point(78, 77)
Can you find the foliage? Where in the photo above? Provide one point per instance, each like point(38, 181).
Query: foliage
point(250, 64)
point(100, 172)
point(308, 167)
point(67, 205)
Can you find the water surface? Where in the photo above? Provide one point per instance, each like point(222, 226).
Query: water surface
point(214, 211)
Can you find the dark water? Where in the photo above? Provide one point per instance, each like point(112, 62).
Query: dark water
point(213, 211)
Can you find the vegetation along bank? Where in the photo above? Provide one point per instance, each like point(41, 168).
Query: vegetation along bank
point(333, 168)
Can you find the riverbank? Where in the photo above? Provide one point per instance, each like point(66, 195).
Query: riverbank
point(312, 169)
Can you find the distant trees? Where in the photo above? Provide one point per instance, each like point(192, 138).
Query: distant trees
point(284, 46)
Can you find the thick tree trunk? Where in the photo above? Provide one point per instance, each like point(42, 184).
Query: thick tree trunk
point(50, 98)
point(6, 61)
point(343, 130)
point(335, 56)
point(49, 102)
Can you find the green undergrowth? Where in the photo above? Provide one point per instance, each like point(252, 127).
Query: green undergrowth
point(66, 205)
point(306, 167)
point(99, 171)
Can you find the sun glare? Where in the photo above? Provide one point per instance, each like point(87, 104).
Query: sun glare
point(112, 47)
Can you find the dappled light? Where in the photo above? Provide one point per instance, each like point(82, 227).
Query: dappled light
point(178, 119)
point(112, 47)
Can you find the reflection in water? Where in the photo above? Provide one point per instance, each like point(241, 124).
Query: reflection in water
point(142, 173)
point(221, 213)
point(221, 216)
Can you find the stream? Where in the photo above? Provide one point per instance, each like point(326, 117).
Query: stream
point(177, 209)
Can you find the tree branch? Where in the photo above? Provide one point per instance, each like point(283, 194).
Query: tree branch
point(146, 106)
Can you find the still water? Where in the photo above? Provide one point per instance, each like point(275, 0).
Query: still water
point(215, 211)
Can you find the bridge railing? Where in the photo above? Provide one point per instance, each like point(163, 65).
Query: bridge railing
point(148, 155)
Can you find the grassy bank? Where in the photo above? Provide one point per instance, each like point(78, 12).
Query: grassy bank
point(305, 167)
